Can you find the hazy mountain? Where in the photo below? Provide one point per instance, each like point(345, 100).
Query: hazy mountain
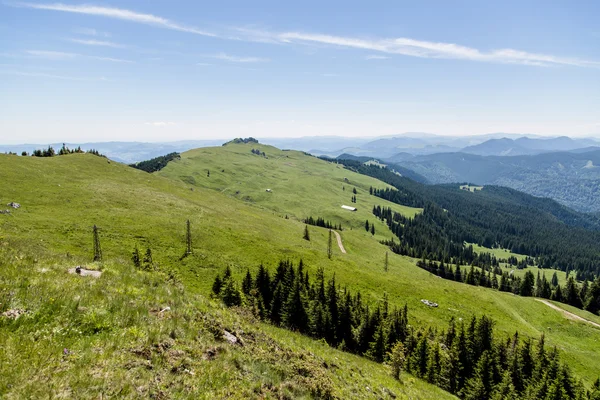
point(572, 178)
point(527, 146)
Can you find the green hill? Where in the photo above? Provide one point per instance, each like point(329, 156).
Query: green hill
point(236, 223)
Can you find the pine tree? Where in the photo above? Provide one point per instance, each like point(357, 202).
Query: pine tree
point(217, 284)
point(135, 257)
point(230, 294)
point(294, 314)
point(481, 384)
point(397, 358)
point(306, 234)
point(148, 260)
point(372, 229)
point(554, 280)
point(367, 225)
point(247, 283)
point(97, 248)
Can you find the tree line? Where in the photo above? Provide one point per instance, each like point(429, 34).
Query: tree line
point(585, 296)
point(319, 221)
point(157, 163)
point(556, 236)
point(466, 359)
point(64, 150)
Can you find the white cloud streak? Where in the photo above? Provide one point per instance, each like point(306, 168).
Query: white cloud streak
point(376, 57)
point(236, 59)
point(51, 55)
point(387, 46)
point(94, 42)
point(41, 75)
point(117, 13)
point(91, 32)
point(160, 124)
point(59, 55)
point(424, 49)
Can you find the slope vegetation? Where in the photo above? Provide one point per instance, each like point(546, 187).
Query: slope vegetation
point(65, 196)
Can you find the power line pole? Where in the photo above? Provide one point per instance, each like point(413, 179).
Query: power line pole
point(189, 239)
point(329, 245)
point(97, 249)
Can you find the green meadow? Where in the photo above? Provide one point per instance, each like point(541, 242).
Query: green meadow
point(237, 223)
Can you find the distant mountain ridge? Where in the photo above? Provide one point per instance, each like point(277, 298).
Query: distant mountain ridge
point(527, 146)
point(570, 177)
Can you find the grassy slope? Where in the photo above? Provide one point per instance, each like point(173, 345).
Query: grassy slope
point(134, 207)
point(94, 338)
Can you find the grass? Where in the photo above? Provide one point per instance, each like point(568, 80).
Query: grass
point(92, 338)
point(65, 196)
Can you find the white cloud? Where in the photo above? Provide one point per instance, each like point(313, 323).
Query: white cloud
point(59, 55)
point(42, 75)
point(117, 13)
point(376, 57)
point(424, 49)
point(91, 32)
point(52, 55)
point(160, 124)
point(401, 46)
point(94, 42)
point(236, 59)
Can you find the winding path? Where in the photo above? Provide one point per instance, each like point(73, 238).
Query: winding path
point(339, 240)
point(568, 314)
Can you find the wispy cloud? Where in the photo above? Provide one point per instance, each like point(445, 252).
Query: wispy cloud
point(51, 55)
point(236, 59)
point(376, 57)
point(424, 49)
point(117, 13)
point(41, 75)
point(160, 124)
point(94, 42)
point(59, 55)
point(385, 46)
point(91, 32)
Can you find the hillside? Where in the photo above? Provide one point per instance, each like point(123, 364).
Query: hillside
point(571, 178)
point(65, 196)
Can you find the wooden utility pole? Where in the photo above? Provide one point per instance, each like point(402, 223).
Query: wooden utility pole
point(188, 250)
point(329, 244)
point(97, 249)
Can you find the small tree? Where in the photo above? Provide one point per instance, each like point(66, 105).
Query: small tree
point(306, 234)
point(135, 257)
point(397, 358)
point(148, 259)
point(372, 229)
point(367, 225)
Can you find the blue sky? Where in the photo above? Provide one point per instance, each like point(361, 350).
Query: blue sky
point(168, 70)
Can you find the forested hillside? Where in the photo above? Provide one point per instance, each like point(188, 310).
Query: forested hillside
point(571, 178)
point(495, 217)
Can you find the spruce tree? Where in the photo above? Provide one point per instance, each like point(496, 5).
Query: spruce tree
point(135, 257)
point(397, 358)
point(386, 262)
point(306, 234)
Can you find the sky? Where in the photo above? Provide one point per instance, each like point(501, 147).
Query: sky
point(172, 70)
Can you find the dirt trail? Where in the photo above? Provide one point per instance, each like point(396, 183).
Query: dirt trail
point(568, 314)
point(339, 240)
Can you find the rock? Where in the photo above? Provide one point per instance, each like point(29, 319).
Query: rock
point(167, 308)
point(5, 212)
point(231, 338)
point(13, 313)
point(85, 272)
point(14, 205)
